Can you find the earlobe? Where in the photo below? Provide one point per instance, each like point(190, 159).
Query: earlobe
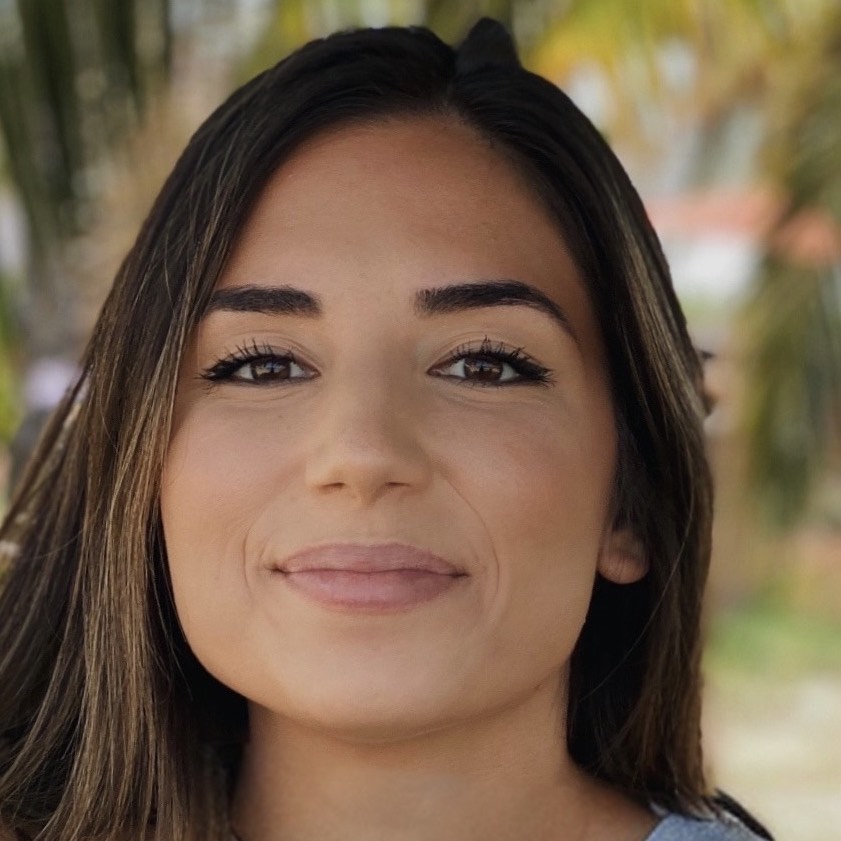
point(623, 559)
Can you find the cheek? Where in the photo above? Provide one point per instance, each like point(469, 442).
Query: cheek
point(220, 473)
point(541, 487)
point(221, 463)
point(537, 478)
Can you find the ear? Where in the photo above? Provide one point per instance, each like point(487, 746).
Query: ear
point(622, 559)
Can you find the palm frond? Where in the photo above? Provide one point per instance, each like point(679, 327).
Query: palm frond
point(9, 398)
point(72, 77)
point(793, 400)
point(793, 318)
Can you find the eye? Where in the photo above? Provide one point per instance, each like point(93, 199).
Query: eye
point(257, 365)
point(268, 368)
point(482, 368)
point(492, 364)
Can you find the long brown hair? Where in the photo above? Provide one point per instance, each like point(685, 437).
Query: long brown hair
point(109, 728)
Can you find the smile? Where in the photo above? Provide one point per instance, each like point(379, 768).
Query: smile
point(379, 578)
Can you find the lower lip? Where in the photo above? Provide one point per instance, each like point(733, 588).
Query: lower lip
point(391, 590)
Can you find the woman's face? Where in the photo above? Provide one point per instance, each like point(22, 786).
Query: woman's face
point(387, 492)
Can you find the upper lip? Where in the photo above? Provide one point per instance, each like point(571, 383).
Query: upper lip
point(361, 557)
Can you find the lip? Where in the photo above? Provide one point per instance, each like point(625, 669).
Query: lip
point(379, 578)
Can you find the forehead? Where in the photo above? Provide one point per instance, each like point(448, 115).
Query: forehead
point(383, 209)
point(450, 185)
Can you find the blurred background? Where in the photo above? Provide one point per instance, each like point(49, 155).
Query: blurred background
point(727, 113)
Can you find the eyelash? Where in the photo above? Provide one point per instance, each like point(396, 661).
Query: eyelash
point(225, 368)
point(528, 371)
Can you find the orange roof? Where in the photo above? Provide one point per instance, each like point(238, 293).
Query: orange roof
point(811, 237)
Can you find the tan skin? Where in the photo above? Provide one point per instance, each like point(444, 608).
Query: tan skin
point(443, 719)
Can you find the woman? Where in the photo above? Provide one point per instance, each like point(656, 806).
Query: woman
point(381, 509)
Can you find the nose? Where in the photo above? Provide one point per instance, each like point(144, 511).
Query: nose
point(366, 441)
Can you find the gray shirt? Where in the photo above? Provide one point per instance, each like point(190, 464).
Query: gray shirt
point(678, 828)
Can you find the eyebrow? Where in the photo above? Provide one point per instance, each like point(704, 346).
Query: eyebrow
point(489, 293)
point(459, 297)
point(269, 300)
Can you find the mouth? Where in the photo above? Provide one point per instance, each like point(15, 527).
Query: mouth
point(377, 578)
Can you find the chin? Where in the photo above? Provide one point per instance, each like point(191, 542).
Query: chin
point(365, 708)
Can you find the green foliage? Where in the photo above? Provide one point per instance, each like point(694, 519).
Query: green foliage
point(9, 400)
point(9, 381)
point(72, 77)
point(792, 321)
point(769, 637)
point(793, 376)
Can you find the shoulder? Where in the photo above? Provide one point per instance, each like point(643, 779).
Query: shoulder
point(678, 828)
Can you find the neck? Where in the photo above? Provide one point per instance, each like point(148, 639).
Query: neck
point(504, 776)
